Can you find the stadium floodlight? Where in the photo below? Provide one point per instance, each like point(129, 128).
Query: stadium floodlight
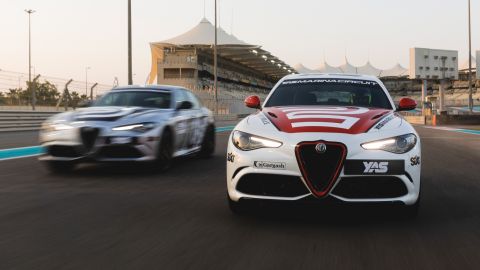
point(279, 65)
point(470, 91)
point(273, 61)
point(30, 11)
point(129, 43)
point(264, 57)
point(285, 68)
point(254, 51)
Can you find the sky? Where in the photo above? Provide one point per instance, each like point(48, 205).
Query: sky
point(68, 35)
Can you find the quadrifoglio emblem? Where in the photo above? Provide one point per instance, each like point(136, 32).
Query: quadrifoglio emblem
point(269, 165)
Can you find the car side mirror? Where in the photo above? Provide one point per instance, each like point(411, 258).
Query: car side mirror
point(253, 102)
point(184, 105)
point(406, 104)
point(85, 103)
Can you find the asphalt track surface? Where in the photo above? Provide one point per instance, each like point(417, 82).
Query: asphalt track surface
point(128, 217)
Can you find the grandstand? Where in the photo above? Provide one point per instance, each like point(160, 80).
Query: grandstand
point(187, 60)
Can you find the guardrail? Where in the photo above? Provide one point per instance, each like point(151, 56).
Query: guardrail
point(23, 120)
point(14, 121)
point(419, 120)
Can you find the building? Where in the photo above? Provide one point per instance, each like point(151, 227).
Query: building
point(433, 64)
point(187, 60)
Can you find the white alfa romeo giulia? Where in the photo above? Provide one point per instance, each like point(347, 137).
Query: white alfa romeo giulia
point(325, 135)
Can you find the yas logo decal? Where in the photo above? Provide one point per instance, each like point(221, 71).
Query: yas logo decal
point(375, 167)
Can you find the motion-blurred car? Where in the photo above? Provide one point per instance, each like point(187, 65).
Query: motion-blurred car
point(325, 135)
point(134, 123)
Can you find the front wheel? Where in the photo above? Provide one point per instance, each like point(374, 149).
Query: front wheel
point(411, 211)
point(236, 207)
point(208, 143)
point(165, 151)
point(58, 167)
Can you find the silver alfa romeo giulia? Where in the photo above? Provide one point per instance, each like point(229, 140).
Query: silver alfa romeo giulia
point(135, 123)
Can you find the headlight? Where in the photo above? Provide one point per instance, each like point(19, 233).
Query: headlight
point(247, 142)
point(141, 127)
point(50, 127)
point(398, 145)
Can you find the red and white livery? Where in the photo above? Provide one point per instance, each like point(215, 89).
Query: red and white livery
point(325, 136)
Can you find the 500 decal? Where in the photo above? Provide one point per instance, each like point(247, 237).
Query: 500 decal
point(414, 161)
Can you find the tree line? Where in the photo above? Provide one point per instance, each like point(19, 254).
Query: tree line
point(46, 94)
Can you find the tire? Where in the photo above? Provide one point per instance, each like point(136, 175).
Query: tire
point(208, 144)
point(60, 167)
point(165, 151)
point(236, 207)
point(411, 211)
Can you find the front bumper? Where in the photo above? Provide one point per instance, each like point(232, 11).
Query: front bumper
point(71, 146)
point(242, 167)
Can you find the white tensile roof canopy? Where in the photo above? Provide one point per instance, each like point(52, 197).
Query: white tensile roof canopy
point(204, 34)
point(396, 71)
point(464, 65)
point(347, 68)
point(253, 56)
point(229, 47)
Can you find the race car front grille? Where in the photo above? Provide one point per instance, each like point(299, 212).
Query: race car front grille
point(63, 151)
point(119, 151)
point(320, 169)
point(271, 185)
point(370, 187)
point(88, 136)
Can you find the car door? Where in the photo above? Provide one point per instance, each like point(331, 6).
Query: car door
point(182, 121)
point(198, 121)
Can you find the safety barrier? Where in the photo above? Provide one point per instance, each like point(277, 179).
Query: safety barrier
point(13, 121)
point(418, 120)
point(23, 120)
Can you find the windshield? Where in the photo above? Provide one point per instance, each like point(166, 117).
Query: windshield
point(150, 99)
point(332, 92)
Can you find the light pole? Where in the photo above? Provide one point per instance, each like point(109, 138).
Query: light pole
point(470, 91)
point(30, 11)
point(215, 61)
point(130, 78)
point(86, 81)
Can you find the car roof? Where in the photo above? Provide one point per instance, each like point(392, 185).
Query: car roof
point(330, 76)
point(149, 87)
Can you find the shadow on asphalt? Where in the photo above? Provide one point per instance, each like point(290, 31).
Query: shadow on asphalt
point(126, 170)
point(327, 213)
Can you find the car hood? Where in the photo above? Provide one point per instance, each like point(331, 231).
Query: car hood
point(328, 119)
point(111, 114)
